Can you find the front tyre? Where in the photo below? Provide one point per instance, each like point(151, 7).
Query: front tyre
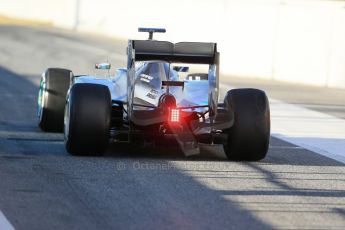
point(248, 138)
point(87, 119)
point(51, 99)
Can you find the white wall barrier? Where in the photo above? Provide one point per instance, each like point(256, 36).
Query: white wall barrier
point(300, 41)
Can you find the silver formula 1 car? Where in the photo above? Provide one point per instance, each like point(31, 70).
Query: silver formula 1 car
point(167, 91)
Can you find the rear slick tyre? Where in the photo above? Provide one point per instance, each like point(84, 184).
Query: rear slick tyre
point(87, 119)
point(248, 138)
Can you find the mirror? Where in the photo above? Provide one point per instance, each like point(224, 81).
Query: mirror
point(105, 66)
point(182, 69)
point(197, 76)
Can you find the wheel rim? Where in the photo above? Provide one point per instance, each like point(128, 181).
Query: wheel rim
point(66, 120)
point(41, 99)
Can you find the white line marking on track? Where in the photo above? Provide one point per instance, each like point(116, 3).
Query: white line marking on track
point(315, 131)
point(4, 223)
point(286, 147)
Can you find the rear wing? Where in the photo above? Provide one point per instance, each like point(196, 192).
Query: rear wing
point(183, 52)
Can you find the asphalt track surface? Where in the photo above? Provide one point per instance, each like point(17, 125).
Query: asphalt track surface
point(42, 187)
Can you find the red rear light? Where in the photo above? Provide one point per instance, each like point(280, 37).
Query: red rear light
point(174, 115)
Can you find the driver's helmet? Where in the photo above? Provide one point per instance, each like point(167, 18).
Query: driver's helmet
point(154, 72)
